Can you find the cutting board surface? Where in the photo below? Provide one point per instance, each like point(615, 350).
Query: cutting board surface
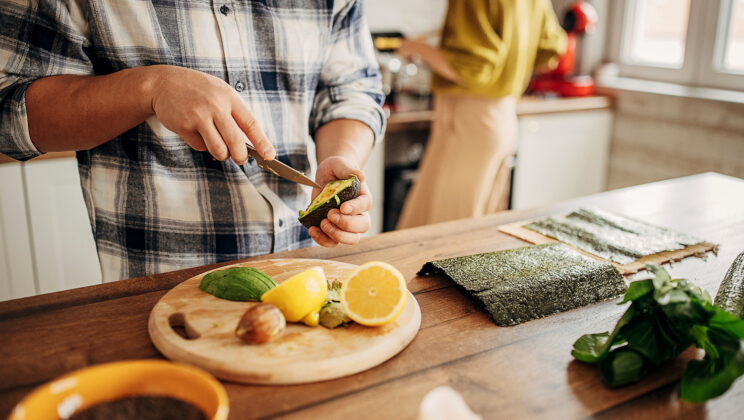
point(301, 354)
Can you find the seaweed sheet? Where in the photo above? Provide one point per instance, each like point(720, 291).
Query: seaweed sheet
point(611, 236)
point(521, 284)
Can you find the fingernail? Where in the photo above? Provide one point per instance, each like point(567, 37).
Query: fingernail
point(334, 217)
point(269, 153)
point(348, 209)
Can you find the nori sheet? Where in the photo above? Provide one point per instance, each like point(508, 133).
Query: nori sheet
point(521, 284)
point(611, 236)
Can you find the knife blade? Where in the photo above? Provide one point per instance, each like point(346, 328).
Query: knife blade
point(278, 168)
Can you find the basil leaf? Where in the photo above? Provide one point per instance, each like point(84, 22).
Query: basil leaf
point(641, 337)
point(664, 318)
point(725, 321)
point(705, 379)
point(622, 366)
point(638, 289)
point(590, 348)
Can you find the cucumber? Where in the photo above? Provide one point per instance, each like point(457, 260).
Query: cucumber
point(237, 283)
point(730, 296)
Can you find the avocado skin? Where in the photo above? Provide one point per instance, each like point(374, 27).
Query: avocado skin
point(316, 216)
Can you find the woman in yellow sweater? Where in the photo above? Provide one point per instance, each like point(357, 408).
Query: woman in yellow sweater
point(488, 51)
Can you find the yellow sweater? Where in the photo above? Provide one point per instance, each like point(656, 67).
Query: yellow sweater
point(494, 45)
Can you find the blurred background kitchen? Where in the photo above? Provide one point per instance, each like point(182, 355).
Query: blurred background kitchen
point(656, 92)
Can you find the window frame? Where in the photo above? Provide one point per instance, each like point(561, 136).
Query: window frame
point(704, 47)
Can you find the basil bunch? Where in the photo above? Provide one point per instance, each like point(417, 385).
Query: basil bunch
point(665, 317)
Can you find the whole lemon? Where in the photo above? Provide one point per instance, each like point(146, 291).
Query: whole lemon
point(301, 296)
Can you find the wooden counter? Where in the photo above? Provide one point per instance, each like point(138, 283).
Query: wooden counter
point(525, 371)
point(527, 105)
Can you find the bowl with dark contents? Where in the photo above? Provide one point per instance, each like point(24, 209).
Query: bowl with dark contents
point(132, 389)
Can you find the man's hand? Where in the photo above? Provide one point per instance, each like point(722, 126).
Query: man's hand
point(346, 224)
point(207, 113)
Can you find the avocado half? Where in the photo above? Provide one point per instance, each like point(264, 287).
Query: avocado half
point(333, 194)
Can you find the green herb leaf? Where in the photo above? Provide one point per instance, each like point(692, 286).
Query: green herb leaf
point(590, 348)
point(638, 289)
point(641, 337)
point(622, 366)
point(664, 318)
point(709, 378)
point(725, 321)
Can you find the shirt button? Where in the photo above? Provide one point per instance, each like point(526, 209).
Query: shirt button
point(239, 86)
point(224, 10)
point(281, 222)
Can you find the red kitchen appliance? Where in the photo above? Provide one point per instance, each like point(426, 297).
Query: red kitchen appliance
point(579, 19)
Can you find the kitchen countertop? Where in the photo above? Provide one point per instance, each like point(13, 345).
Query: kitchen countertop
point(50, 155)
point(414, 114)
point(525, 371)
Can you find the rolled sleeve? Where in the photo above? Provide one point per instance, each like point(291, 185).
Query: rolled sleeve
point(15, 140)
point(37, 39)
point(350, 86)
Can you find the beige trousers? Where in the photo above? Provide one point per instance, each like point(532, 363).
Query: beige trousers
point(464, 171)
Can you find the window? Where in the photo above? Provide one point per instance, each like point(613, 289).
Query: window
point(692, 42)
point(656, 32)
point(733, 38)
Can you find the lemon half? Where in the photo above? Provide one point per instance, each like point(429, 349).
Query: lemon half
point(300, 297)
point(374, 294)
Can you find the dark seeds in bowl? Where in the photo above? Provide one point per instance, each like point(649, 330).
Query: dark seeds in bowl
point(141, 408)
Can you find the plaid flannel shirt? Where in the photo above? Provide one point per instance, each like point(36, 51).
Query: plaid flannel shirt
point(154, 203)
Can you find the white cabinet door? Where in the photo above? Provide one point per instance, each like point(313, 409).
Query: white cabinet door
point(61, 236)
point(561, 156)
point(17, 278)
point(374, 171)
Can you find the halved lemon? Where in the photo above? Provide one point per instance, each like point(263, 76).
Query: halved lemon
point(300, 297)
point(374, 294)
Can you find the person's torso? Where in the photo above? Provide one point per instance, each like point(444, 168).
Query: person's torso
point(162, 205)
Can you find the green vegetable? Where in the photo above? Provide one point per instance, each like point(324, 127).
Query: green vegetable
point(331, 197)
point(237, 283)
point(730, 295)
point(332, 314)
point(665, 317)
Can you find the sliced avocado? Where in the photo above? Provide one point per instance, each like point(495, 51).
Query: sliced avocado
point(332, 196)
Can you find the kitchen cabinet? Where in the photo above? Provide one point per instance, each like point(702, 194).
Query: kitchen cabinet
point(46, 243)
point(563, 151)
point(560, 156)
point(17, 277)
point(61, 237)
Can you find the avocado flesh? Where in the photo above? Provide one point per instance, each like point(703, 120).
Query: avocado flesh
point(331, 197)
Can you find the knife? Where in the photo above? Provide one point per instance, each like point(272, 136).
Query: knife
point(280, 169)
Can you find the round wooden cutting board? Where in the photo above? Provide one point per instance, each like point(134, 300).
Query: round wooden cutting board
point(301, 354)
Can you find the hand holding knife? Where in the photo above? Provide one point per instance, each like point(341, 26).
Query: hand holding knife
point(278, 168)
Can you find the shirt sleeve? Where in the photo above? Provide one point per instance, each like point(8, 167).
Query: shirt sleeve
point(471, 44)
point(552, 43)
point(37, 39)
point(350, 86)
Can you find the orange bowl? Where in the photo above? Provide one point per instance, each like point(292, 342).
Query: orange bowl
point(83, 388)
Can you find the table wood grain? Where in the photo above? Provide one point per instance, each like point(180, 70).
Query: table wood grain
point(525, 371)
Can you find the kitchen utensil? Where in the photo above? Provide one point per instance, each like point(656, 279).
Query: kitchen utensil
point(110, 381)
point(301, 354)
point(278, 168)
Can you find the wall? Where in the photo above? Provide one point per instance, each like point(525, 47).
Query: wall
point(412, 17)
point(659, 137)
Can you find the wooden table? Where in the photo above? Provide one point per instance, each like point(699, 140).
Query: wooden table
point(525, 371)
